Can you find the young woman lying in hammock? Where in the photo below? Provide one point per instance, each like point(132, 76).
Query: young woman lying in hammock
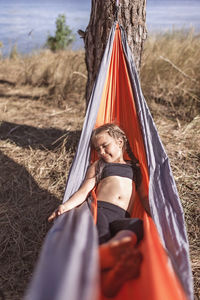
point(116, 181)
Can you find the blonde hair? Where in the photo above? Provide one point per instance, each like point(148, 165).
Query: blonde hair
point(113, 130)
point(116, 132)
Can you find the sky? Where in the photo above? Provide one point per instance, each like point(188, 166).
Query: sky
point(27, 23)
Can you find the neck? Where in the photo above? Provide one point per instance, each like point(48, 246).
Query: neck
point(120, 160)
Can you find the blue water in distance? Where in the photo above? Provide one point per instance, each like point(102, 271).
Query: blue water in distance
point(27, 23)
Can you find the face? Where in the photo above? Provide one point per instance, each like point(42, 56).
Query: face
point(109, 148)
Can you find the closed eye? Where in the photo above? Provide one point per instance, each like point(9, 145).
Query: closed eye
point(102, 146)
point(105, 145)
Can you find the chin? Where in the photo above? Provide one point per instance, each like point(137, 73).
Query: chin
point(107, 159)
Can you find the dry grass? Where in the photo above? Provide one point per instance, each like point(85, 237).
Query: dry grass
point(170, 73)
point(63, 74)
point(41, 113)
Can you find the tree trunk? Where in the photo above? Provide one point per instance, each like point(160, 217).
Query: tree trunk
point(131, 15)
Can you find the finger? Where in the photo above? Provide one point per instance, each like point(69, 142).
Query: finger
point(60, 212)
point(52, 216)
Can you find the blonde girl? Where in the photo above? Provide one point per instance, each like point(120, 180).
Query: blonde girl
point(116, 180)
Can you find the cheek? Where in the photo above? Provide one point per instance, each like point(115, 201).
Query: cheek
point(116, 149)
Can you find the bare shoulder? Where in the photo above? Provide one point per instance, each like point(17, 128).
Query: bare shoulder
point(91, 172)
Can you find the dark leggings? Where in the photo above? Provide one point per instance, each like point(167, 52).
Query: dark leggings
point(112, 218)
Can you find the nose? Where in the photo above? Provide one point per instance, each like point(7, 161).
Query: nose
point(101, 151)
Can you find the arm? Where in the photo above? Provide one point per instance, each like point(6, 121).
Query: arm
point(80, 196)
point(144, 199)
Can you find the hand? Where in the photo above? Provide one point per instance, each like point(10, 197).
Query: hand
point(59, 211)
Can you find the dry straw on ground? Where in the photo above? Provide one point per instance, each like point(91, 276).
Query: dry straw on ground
point(170, 73)
point(62, 75)
point(42, 110)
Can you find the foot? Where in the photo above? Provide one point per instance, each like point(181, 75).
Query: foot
point(128, 267)
point(111, 252)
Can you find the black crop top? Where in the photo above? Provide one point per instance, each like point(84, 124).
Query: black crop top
point(117, 169)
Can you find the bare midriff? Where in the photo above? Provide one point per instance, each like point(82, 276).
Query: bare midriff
point(116, 190)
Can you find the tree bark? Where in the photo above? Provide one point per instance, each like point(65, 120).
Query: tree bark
point(131, 15)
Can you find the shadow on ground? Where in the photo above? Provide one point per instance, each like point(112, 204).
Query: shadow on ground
point(27, 136)
point(20, 96)
point(24, 208)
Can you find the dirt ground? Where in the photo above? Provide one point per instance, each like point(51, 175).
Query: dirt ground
point(38, 141)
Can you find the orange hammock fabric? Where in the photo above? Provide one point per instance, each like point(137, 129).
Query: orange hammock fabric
point(157, 280)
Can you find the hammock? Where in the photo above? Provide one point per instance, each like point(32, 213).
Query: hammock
point(68, 266)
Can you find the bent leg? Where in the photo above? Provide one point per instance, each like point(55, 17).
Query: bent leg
point(128, 267)
point(111, 252)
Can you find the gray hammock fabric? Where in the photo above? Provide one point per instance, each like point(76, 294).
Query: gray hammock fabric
point(68, 264)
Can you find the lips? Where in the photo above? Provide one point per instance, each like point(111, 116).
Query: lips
point(106, 157)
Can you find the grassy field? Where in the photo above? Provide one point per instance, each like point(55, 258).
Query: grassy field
point(42, 103)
